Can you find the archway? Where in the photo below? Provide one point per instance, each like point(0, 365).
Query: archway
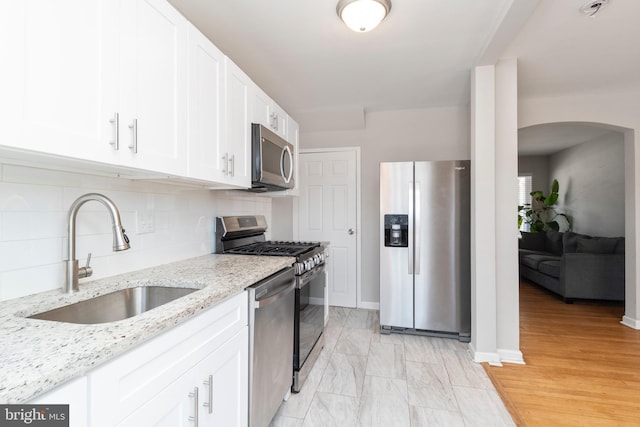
point(631, 166)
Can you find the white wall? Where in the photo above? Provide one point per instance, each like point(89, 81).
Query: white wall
point(400, 135)
point(591, 177)
point(538, 168)
point(33, 210)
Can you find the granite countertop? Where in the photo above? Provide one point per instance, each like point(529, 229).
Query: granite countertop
point(38, 355)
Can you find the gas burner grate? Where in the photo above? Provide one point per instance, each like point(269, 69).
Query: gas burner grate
point(274, 248)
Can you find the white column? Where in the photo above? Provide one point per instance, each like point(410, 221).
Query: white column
point(631, 316)
point(483, 219)
point(506, 184)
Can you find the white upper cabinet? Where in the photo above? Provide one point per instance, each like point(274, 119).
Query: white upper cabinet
point(266, 112)
point(96, 80)
point(153, 87)
point(207, 147)
point(131, 85)
point(59, 75)
point(238, 125)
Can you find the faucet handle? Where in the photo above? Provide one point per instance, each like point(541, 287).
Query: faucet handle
point(85, 271)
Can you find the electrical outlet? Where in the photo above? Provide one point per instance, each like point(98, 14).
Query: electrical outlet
point(145, 222)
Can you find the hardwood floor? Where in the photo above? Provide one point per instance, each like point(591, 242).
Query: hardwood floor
point(582, 366)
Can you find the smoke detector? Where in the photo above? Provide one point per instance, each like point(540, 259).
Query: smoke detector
point(592, 7)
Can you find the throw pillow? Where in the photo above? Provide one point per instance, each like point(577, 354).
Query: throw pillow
point(553, 242)
point(597, 245)
point(532, 241)
point(570, 242)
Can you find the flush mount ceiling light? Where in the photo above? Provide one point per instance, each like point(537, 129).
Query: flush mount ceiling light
point(363, 15)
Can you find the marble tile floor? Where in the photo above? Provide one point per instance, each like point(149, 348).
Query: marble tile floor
point(362, 378)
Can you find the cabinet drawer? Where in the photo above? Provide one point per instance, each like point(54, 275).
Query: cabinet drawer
point(126, 383)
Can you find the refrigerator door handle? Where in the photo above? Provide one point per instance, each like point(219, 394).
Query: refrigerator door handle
point(417, 226)
point(411, 213)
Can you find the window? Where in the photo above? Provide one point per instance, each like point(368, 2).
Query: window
point(524, 195)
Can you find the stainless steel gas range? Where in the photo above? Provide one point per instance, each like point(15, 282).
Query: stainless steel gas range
point(245, 235)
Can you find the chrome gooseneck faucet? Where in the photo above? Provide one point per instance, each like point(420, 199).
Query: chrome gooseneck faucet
point(120, 240)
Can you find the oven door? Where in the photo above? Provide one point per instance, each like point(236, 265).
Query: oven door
point(309, 314)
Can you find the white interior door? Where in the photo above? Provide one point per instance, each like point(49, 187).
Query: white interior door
point(327, 211)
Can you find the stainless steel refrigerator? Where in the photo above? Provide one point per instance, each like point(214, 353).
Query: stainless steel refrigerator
point(425, 281)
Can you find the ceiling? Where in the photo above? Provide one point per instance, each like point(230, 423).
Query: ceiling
point(542, 140)
point(303, 56)
point(421, 55)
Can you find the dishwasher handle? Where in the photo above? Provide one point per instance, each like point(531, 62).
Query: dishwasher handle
point(279, 293)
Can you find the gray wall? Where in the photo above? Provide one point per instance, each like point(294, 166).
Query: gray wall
point(538, 168)
point(591, 177)
point(402, 135)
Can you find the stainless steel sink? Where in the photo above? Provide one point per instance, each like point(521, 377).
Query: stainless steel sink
point(117, 305)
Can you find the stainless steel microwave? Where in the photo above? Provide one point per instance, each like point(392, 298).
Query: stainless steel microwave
point(271, 161)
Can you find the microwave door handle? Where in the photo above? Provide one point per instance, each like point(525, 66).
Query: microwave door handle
point(287, 177)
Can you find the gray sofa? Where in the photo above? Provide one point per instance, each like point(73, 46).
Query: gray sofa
point(574, 266)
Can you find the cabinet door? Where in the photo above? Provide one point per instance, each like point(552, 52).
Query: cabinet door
point(173, 406)
point(224, 399)
point(153, 68)
point(207, 149)
point(260, 107)
point(72, 393)
point(279, 120)
point(58, 79)
point(238, 125)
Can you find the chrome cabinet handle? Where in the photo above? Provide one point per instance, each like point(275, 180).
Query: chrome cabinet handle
point(194, 418)
point(209, 404)
point(134, 137)
point(232, 165)
point(351, 231)
point(225, 160)
point(115, 121)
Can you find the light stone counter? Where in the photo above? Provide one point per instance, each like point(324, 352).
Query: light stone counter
point(37, 355)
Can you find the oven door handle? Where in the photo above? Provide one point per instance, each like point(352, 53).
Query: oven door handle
point(280, 292)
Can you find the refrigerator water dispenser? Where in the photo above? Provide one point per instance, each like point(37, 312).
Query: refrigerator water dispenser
point(396, 231)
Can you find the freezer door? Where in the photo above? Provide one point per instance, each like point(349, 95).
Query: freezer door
point(442, 277)
point(396, 269)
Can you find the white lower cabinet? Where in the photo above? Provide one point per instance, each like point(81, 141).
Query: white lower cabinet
point(156, 384)
point(211, 393)
point(72, 393)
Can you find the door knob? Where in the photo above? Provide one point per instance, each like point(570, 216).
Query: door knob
point(351, 231)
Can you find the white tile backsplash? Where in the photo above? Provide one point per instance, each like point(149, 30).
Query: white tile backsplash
point(33, 229)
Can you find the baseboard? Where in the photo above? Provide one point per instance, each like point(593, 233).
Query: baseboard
point(511, 356)
point(369, 305)
point(498, 358)
point(630, 322)
point(482, 357)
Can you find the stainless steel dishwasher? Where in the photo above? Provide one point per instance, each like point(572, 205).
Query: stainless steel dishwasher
point(271, 317)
